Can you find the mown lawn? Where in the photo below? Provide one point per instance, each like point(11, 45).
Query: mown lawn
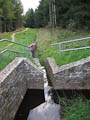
point(25, 38)
point(45, 38)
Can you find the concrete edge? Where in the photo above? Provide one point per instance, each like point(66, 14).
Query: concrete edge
point(11, 67)
point(55, 68)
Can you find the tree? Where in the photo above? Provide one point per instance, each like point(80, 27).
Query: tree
point(52, 12)
point(42, 14)
point(1, 15)
point(30, 18)
point(10, 14)
point(18, 10)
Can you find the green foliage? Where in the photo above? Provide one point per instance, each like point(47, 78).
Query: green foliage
point(72, 14)
point(39, 18)
point(10, 15)
point(79, 109)
point(45, 50)
point(26, 38)
point(2, 36)
point(30, 18)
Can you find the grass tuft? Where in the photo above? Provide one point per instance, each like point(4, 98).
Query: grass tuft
point(77, 109)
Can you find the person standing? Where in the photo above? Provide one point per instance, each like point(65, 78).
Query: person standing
point(32, 49)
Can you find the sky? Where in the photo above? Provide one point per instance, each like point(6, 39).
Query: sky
point(30, 4)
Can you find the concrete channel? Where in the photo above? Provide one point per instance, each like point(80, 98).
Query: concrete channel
point(39, 104)
point(44, 104)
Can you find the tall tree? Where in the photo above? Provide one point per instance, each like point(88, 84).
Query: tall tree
point(1, 15)
point(10, 14)
point(52, 12)
point(18, 10)
point(42, 14)
point(30, 18)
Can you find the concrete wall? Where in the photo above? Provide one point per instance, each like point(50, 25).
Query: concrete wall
point(71, 76)
point(33, 76)
point(15, 79)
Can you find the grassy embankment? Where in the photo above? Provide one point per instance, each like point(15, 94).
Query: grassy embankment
point(25, 38)
point(77, 108)
point(45, 39)
point(2, 36)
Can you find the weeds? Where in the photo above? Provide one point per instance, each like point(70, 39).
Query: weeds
point(75, 109)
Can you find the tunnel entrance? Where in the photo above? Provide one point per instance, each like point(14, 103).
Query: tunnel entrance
point(32, 99)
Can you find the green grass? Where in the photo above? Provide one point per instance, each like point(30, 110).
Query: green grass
point(45, 38)
point(25, 38)
point(76, 109)
point(5, 36)
point(6, 58)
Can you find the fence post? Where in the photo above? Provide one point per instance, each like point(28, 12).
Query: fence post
point(24, 50)
point(60, 49)
point(0, 56)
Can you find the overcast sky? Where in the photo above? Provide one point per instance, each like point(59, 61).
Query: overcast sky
point(30, 4)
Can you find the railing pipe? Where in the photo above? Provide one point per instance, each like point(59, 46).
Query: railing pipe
point(70, 42)
point(13, 42)
point(11, 51)
point(75, 49)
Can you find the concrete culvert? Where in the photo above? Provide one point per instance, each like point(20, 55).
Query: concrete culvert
point(32, 99)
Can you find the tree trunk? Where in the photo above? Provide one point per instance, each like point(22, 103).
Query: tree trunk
point(4, 24)
point(55, 21)
point(50, 13)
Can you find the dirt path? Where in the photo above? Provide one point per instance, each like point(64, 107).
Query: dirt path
point(13, 38)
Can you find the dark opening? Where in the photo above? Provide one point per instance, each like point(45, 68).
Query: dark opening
point(32, 99)
point(71, 94)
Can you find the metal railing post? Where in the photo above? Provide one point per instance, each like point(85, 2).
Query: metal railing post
point(60, 49)
point(24, 51)
point(0, 56)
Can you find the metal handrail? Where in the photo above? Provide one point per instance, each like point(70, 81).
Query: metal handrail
point(6, 50)
point(13, 50)
point(65, 50)
point(13, 42)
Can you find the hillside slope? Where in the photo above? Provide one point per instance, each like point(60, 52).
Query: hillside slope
point(46, 37)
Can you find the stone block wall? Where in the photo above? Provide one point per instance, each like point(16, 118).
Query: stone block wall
point(33, 75)
point(75, 75)
point(15, 79)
